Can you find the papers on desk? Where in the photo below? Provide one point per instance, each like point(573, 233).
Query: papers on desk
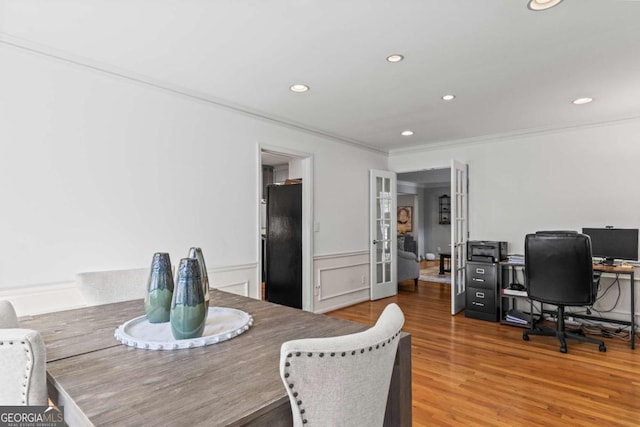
point(519, 317)
point(513, 292)
point(516, 259)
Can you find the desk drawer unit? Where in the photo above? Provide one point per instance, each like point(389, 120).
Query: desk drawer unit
point(482, 275)
point(482, 291)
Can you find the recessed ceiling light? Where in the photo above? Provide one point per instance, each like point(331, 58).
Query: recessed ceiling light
point(448, 97)
point(299, 88)
point(395, 58)
point(406, 132)
point(581, 101)
point(542, 4)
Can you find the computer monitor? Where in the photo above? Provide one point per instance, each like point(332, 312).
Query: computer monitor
point(613, 243)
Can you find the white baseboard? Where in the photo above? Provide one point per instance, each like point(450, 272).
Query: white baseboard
point(327, 309)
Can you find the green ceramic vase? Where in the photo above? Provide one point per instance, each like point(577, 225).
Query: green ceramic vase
point(188, 310)
point(197, 254)
point(157, 301)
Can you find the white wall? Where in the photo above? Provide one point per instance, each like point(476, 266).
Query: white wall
point(565, 179)
point(281, 173)
point(295, 168)
point(99, 172)
point(436, 235)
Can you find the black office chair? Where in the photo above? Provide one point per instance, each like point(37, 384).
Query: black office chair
point(559, 271)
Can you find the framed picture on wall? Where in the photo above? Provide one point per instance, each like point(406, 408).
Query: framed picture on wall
point(404, 219)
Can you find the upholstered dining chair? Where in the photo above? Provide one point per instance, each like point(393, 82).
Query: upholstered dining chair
point(343, 380)
point(23, 375)
point(559, 271)
point(105, 287)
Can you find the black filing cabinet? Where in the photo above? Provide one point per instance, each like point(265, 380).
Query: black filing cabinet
point(482, 291)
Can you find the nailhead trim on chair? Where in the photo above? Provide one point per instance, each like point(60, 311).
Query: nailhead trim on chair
point(343, 354)
point(27, 371)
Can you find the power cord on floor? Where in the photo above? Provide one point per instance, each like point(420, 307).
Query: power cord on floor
point(597, 329)
point(607, 332)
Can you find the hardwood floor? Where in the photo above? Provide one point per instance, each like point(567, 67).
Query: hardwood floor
point(471, 372)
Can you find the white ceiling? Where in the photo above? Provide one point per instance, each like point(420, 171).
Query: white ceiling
point(512, 70)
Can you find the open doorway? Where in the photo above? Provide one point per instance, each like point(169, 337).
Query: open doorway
point(284, 227)
point(426, 196)
point(452, 211)
point(431, 226)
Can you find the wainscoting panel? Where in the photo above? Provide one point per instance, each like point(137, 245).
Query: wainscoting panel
point(239, 280)
point(45, 298)
point(340, 280)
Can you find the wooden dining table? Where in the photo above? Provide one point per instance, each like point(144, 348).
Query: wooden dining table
point(99, 381)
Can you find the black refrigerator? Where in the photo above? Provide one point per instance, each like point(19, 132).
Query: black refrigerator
point(283, 284)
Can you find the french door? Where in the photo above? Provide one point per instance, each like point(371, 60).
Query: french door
point(382, 234)
point(459, 233)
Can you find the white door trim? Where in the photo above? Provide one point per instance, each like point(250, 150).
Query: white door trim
point(383, 245)
point(307, 219)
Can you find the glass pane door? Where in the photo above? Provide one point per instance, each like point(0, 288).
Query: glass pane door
point(383, 237)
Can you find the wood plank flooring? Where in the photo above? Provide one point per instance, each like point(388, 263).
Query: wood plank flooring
point(471, 372)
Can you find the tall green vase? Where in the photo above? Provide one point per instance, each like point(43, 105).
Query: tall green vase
point(157, 300)
point(197, 254)
point(188, 309)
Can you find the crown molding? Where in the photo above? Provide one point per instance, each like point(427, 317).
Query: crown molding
point(80, 61)
point(521, 134)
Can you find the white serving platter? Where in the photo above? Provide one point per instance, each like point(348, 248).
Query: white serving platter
point(222, 324)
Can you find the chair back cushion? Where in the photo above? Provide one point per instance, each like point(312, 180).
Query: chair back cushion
point(23, 375)
point(8, 317)
point(105, 287)
point(22, 368)
point(342, 381)
point(408, 266)
point(559, 268)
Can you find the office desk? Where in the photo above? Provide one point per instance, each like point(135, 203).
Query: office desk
point(620, 269)
point(236, 382)
point(615, 269)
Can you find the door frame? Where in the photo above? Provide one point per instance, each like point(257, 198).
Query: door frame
point(307, 219)
point(441, 165)
point(389, 287)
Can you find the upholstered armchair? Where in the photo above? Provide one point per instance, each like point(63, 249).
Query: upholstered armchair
point(23, 375)
point(408, 267)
